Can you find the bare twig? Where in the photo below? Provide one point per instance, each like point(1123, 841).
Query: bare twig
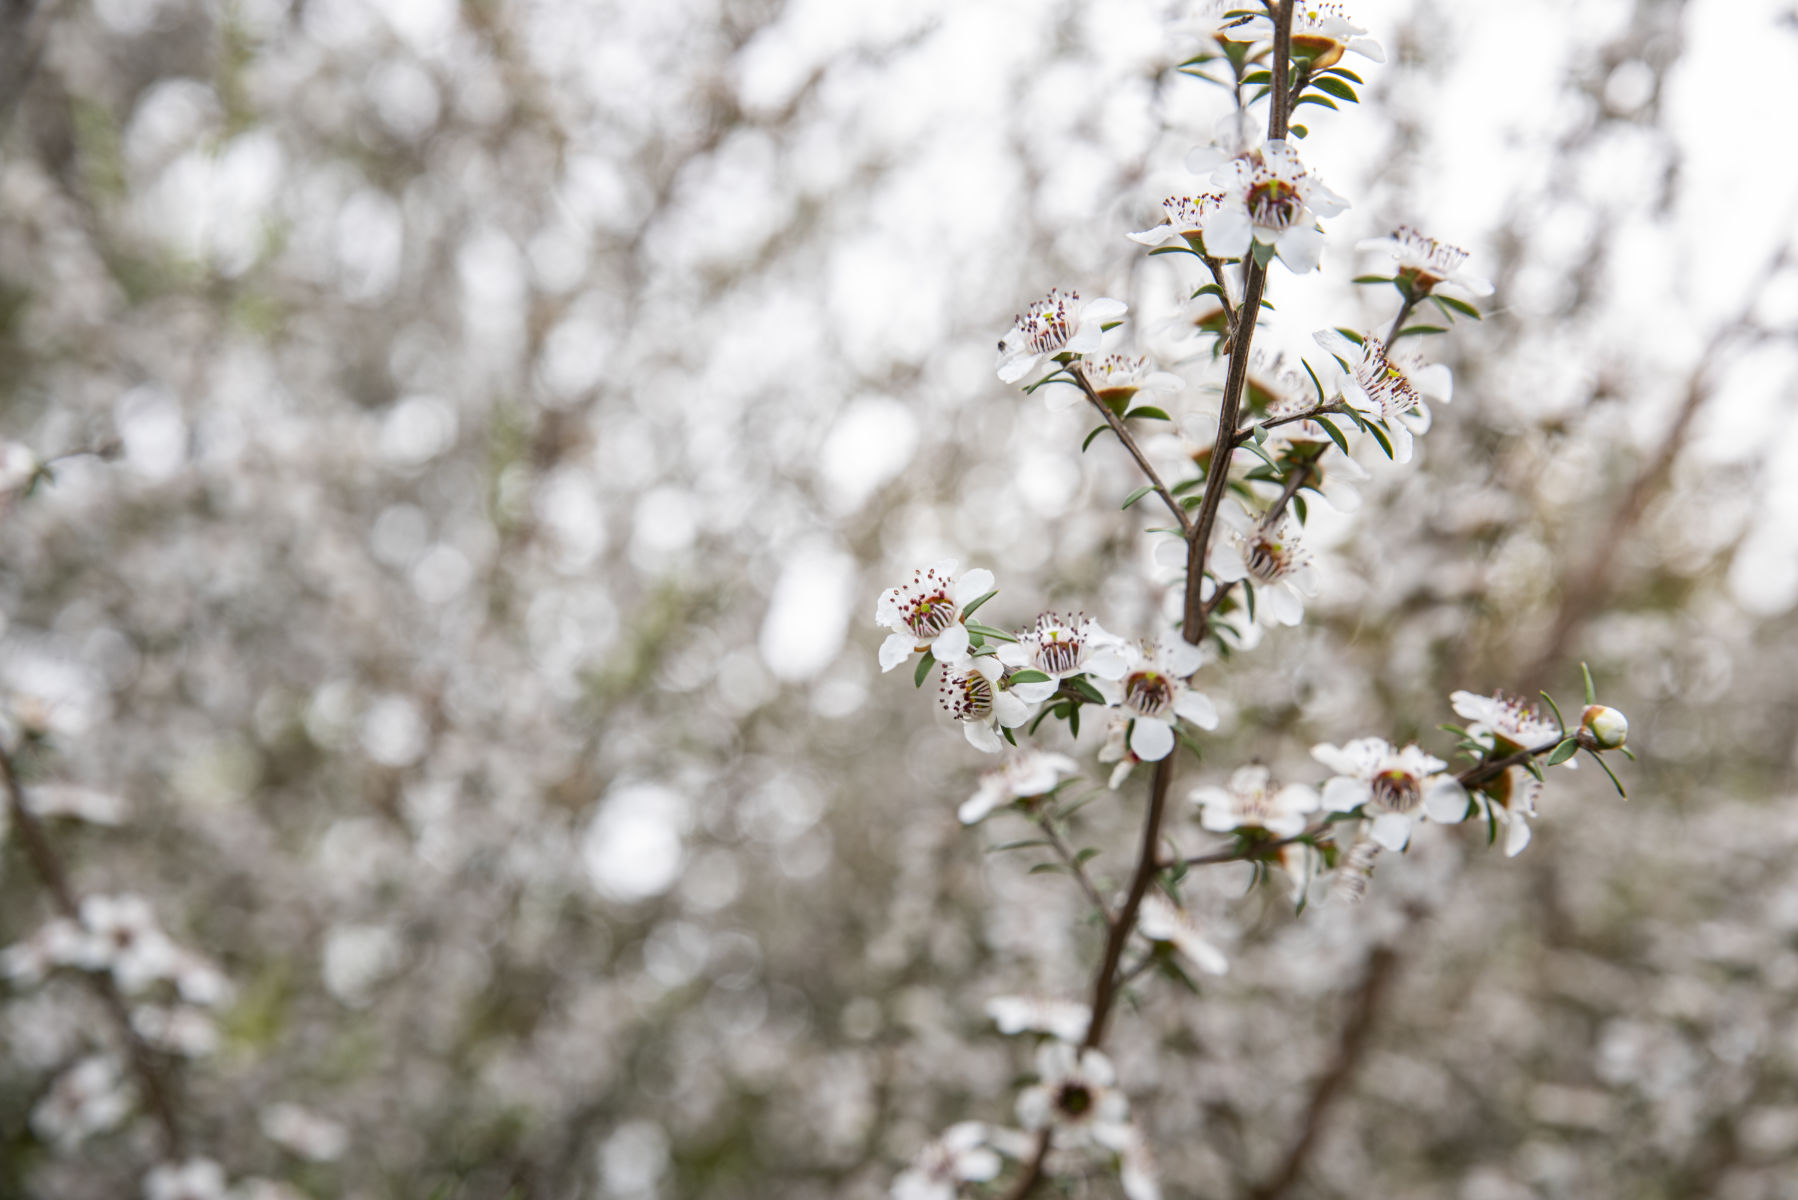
point(1125, 436)
point(1076, 866)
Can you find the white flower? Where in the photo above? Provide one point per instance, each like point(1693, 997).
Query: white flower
point(926, 614)
point(1510, 801)
point(1211, 22)
point(178, 1030)
point(195, 1179)
point(18, 465)
point(1076, 1095)
point(1301, 862)
point(1023, 775)
point(1251, 801)
point(125, 939)
point(1602, 728)
point(1064, 1019)
point(1271, 198)
point(1388, 387)
point(1516, 724)
point(60, 942)
point(960, 1156)
point(1154, 693)
point(1060, 323)
point(68, 800)
point(972, 695)
point(88, 1098)
point(1183, 219)
point(304, 1132)
point(1425, 262)
point(1272, 557)
point(1117, 750)
point(1114, 378)
point(1397, 787)
point(1237, 135)
point(1136, 1168)
point(1061, 647)
point(1320, 34)
point(1161, 922)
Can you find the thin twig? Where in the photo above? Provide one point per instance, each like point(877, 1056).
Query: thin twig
point(1033, 1168)
point(1075, 865)
point(50, 872)
point(1125, 436)
point(1398, 322)
point(1310, 414)
point(1295, 480)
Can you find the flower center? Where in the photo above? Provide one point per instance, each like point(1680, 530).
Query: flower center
point(1274, 203)
point(1397, 790)
point(1266, 558)
point(929, 615)
point(1047, 324)
point(968, 696)
point(1074, 1099)
point(1059, 652)
point(1149, 693)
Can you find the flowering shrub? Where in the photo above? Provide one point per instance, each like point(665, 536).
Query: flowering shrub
point(1265, 204)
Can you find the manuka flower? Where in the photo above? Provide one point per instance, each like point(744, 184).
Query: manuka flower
point(1396, 787)
point(1183, 219)
point(927, 614)
point(195, 1179)
point(1062, 646)
point(1163, 923)
point(1060, 323)
point(1602, 728)
point(1114, 379)
point(1515, 724)
point(1153, 693)
point(1251, 801)
point(1064, 1019)
point(960, 1156)
point(1117, 750)
point(1271, 557)
point(1387, 387)
point(1023, 775)
point(1270, 197)
point(1077, 1096)
point(972, 694)
point(1510, 801)
point(1321, 32)
point(124, 938)
point(1424, 262)
point(1237, 135)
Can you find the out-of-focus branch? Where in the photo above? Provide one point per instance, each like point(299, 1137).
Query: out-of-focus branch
point(1125, 436)
point(49, 870)
point(24, 28)
point(1588, 590)
point(1076, 866)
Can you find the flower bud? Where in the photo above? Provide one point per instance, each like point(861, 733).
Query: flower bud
point(1602, 728)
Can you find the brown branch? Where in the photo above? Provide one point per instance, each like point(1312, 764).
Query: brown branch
point(1125, 436)
point(1033, 1169)
point(49, 869)
point(1310, 414)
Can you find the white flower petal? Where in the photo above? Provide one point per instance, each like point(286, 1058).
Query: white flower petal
point(1392, 830)
point(1343, 794)
point(1035, 693)
point(980, 735)
point(971, 587)
point(895, 650)
point(1197, 708)
point(1010, 709)
point(1151, 739)
point(1285, 604)
point(1228, 233)
point(951, 645)
point(1516, 837)
point(1446, 801)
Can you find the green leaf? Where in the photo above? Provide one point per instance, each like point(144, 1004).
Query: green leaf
point(1147, 412)
point(1023, 845)
point(1325, 101)
point(1314, 381)
point(1451, 304)
point(1048, 869)
point(1248, 592)
point(1087, 690)
point(1591, 692)
point(1008, 735)
point(1089, 437)
point(1352, 335)
point(1372, 279)
point(1559, 720)
point(1298, 131)
point(1029, 677)
point(1210, 289)
point(1263, 253)
point(970, 609)
point(1615, 782)
point(1258, 77)
point(1180, 249)
point(1298, 504)
point(1563, 752)
point(1379, 435)
point(1336, 87)
point(989, 631)
point(1138, 494)
point(1073, 719)
point(924, 665)
point(1054, 377)
point(1087, 854)
point(1410, 329)
point(1336, 436)
point(1260, 435)
point(1344, 72)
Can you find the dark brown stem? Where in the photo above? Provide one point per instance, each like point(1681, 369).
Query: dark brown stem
point(1077, 867)
point(1217, 274)
point(1282, 78)
point(49, 870)
point(1398, 322)
point(1106, 982)
point(1125, 436)
point(1310, 414)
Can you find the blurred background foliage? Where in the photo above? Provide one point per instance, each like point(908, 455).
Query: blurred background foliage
point(489, 426)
